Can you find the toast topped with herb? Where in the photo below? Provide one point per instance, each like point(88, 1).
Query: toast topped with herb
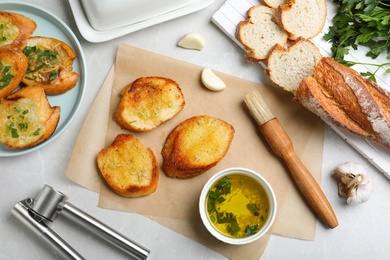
point(13, 64)
point(27, 118)
point(129, 168)
point(148, 102)
point(50, 64)
point(15, 30)
point(195, 146)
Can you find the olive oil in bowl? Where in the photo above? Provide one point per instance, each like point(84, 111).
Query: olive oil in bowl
point(237, 206)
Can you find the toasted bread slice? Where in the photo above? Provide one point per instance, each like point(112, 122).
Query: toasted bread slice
point(27, 118)
point(15, 30)
point(13, 65)
point(129, 168)
point(148, 102)
point(50, 64)
point(195, 146)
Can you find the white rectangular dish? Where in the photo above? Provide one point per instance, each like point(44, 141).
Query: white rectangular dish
point(234, 11)
point(146, 17)
point(109, 15)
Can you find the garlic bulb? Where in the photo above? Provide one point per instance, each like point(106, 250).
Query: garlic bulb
point(354, 182)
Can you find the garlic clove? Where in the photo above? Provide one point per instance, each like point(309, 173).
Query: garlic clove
point(363, 192)
point(192, 41)
point(354, 182)
point(211, 81)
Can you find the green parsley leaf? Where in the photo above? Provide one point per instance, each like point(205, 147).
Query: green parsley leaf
point(254, 209)
point(37, 131)
point(251, 230)
point(361, 23)
point(233, 226)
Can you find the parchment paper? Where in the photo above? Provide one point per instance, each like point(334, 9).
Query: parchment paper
point(175, 203)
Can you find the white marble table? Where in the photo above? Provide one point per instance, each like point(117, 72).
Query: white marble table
point(363, 231)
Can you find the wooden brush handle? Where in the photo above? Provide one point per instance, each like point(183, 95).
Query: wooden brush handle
point(282, 146)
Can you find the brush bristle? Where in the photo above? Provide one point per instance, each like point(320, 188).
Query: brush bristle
point(258, 108)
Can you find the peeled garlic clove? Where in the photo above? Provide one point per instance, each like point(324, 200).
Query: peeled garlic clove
point(192, 41)
point(354, 182)
point(212, 81)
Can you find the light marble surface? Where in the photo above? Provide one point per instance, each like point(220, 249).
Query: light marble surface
point(363, 231)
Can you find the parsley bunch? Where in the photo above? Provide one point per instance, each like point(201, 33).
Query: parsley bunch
point(361, 22)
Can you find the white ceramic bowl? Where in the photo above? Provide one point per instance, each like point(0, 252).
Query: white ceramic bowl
point(203, 206)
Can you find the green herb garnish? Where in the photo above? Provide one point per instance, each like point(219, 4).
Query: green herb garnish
point(3, 38)
point(251, 230)
point(37, 131)
point(254, 209)
point(365, 23)
point(6, 76)
point(229, 218)
point(39, 59)
point(223, 187)
point(13, 131)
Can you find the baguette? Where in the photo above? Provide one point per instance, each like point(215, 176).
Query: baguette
point(13, 65)
point(50, 65)
point(259, 33)
point(148, 102)
point(128, 167)
point(15, 30)
point(341, 96)
point(195, 146)
point(27, 118)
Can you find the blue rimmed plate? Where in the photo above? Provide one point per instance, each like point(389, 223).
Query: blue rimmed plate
point(51, 26)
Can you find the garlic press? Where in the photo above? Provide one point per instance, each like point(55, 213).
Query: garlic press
point(37, 213)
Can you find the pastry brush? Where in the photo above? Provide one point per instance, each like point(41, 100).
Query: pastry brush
point(282, 146)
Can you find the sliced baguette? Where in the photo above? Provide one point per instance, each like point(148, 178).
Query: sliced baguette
point(27, 118)
point(129, 168)
point(302, 18)
point(287, 67)
point(259, 33)
point(15, 30)
point(341, 96)
point(195, 146)
point(148, 102)
point(13, 65)
point(50, 65)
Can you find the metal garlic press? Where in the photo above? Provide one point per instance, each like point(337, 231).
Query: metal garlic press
point(37, 213)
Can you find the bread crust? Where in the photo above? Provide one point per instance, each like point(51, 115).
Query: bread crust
point(27, 118)
point(57, 75)
point(16, 30)
point(148, 102)
point(195, 146)
point(129, 168)
point(341, 96)
point(13, 65)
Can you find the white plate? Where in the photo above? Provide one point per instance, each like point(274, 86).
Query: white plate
point(51, 26)
point(92, 35)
